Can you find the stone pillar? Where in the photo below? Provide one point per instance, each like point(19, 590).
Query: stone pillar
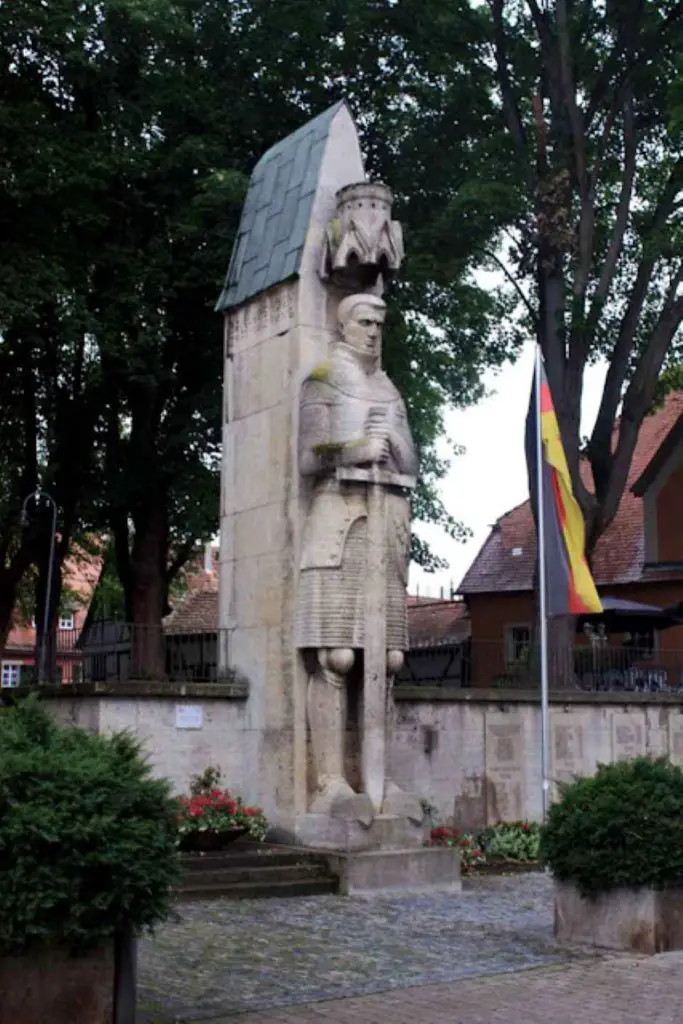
point(279, 322)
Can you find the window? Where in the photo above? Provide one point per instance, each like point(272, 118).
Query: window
point(11, 674)
point(642, 643)
point(517, 644)
point(66, 621)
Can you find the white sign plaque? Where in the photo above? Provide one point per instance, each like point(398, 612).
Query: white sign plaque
point(189, 716)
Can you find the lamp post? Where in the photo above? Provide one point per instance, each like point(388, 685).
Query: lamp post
point(37, 497)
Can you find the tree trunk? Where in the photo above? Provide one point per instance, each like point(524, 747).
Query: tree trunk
point(148, 590)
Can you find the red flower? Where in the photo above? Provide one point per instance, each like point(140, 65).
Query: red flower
point(251, 812)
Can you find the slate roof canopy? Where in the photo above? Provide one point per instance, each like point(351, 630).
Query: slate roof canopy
point(276, 212)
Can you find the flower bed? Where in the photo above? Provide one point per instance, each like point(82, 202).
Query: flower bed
point(505, 845)
point(212, 817)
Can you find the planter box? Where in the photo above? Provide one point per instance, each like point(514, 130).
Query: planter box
point(51, 987)
point(642, 920)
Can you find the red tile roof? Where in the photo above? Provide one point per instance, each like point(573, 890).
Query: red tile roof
point(198, 612)
point(507, 559)
point(433, 621)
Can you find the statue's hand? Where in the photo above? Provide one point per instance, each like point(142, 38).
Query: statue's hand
point(378, 438)
point(377, 449)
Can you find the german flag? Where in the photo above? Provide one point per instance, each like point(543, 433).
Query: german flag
point(570, 589)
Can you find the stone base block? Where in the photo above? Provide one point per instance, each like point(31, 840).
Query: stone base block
point(385, 832)
point(377, 872)
point(642, 920)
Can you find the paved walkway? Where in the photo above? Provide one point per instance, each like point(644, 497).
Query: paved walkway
point(618, 991)
point(234, 958)
point(486, 956)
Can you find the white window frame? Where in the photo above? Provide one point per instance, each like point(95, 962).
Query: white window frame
point(510, 659)
point(67, 622)
point(18, 665)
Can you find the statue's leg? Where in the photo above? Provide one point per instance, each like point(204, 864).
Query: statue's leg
point(327, 702)
point(396, 800)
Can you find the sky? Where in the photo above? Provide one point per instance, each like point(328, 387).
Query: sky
point(490, 477)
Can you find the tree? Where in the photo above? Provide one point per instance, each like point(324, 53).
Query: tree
point(591, 97)
point(48, 224)
point(147, 118)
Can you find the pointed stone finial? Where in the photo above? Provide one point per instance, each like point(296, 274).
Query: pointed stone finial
point(363, 246)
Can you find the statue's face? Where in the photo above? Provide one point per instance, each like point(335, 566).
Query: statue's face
point(363, 331)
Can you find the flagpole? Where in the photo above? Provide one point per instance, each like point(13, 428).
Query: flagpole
point(542, 596)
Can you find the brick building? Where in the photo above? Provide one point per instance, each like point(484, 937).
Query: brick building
point(638, 558)
point(81, 573)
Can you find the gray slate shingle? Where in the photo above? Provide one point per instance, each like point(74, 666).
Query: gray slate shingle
point(276, 212)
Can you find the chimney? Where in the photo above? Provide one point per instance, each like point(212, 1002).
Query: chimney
point(208, 559)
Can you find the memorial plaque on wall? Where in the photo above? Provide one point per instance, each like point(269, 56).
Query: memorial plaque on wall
point(628, 736)
point(566, 749)
point(504, 768)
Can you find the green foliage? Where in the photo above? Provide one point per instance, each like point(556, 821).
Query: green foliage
point(591, 102)
point(622, 827)
point(87, 836)
point(466, 843)
point(129, 129)
point(511, 840)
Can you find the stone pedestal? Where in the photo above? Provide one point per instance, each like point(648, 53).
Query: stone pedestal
point(382, 872)
point(385, 832)
point(386, 856)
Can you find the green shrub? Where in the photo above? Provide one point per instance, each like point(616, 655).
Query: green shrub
point(88, 839)
point(622, 827)
point(511, 840)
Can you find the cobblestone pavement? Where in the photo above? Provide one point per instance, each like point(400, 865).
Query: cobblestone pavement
point(228, 958)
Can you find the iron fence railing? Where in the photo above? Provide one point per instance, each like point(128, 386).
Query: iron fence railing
point(591, 667)
point(115, 651)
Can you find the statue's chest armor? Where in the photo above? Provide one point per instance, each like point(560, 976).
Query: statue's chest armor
point(353, 401)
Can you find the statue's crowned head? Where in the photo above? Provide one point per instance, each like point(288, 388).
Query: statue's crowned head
point(361, 318)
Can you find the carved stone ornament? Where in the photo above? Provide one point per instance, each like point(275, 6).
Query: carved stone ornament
point(363, 245)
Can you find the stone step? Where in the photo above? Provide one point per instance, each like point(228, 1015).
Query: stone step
point(250, 856)
point(250, 871)
point(261, 889)
point(229, 875)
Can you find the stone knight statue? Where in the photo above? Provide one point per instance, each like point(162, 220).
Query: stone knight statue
point(353, 436)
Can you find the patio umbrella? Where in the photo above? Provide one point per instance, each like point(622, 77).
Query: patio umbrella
point(621, 616)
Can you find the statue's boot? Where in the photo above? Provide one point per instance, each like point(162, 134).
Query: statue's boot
point(401, 804)
point(337, 799)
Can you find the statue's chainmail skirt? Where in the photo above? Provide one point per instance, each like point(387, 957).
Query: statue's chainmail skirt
point(331, 607)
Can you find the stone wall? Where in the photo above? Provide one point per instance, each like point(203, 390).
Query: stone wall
point(183, 728)
point(476, 756)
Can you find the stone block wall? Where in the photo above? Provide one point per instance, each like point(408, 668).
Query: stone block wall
point(477, 755)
